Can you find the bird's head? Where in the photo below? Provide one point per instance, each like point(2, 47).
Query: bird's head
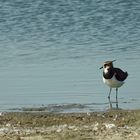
point(107, 66)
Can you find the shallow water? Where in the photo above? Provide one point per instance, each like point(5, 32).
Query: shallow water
point(51, 51)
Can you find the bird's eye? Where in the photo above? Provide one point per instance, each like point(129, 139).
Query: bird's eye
point(105, 65)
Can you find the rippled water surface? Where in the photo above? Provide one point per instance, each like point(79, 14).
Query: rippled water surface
point(51, 52)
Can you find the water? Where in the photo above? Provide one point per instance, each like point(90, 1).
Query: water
point(51, 52)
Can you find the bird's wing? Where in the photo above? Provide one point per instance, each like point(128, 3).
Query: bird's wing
point(120, 75)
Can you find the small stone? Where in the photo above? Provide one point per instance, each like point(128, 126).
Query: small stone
point(88, 114)
point(1, 113)
point(71, 127)
point(8, 124)
point(110, 126)
point(115, 118)
point(58, 130)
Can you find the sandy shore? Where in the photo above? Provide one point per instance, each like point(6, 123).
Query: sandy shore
point(114, 125)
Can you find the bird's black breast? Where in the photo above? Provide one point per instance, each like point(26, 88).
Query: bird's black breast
point(108, 75)
point(119, 74)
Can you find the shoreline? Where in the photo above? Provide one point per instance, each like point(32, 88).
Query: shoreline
point(113, 124)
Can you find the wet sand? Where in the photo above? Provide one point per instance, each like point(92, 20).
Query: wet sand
point(114, 125)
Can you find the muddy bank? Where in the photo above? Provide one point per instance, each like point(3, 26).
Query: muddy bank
point(117, 125)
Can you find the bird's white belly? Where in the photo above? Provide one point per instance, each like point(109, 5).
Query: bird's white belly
point(113, 82)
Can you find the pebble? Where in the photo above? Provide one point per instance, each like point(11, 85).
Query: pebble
point(58, 130)
point(71, 127)
point(110, 126)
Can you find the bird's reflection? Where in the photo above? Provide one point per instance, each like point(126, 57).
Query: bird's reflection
point(110, 104)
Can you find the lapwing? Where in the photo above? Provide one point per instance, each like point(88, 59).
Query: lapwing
point(113, 77)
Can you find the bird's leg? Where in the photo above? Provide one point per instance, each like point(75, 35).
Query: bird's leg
point(109, 98)
point(109, 93)
point(116, 98)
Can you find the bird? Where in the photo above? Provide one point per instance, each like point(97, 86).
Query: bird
point(113, 77)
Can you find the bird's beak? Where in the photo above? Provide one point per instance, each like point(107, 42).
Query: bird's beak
point(113, 60)
point(101, 67)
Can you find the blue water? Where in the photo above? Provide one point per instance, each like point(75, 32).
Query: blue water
point(51, 52)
